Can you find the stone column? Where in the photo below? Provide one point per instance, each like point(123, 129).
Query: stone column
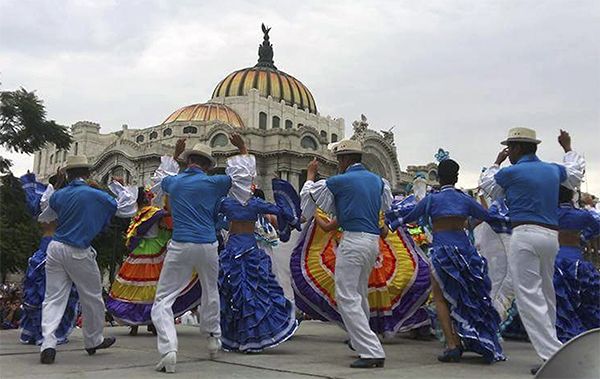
point(294, 179)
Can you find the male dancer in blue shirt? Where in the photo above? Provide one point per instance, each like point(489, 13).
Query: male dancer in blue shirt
point(193, 198)
point(82, 213)
point(356, 196)
point(531, 190)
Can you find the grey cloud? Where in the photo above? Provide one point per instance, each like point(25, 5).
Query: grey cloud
point(452, 74)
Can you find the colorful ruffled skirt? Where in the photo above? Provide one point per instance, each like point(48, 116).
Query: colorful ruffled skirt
point(577, 286)
point(255, 315)
point(133, 291)
point(399, 284)
point(34, 289)
point(462, 275)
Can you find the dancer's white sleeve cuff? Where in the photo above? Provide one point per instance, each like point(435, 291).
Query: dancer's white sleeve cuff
point(574, 163)
point(242, 171)
point(488, 184)
point(48, 214)
point(126, 199)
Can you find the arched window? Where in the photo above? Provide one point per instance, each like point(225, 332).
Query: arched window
point(219, 140)
point(51, 158)
point(139, 139)
point(323, 134)
point(76, 147)
point(167, 132)
point(276, 121)
point(308, 143)
point(190, 130)
point(334, 137)
point(262, 120)
point(289, 124)
point(153, 135)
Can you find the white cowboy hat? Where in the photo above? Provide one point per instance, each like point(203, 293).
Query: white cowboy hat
point(77, 161)
point(521, 135)
point(347, 146)
point(199, 149)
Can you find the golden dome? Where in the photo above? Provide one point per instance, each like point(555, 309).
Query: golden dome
point(206, 112)
point(268, 80)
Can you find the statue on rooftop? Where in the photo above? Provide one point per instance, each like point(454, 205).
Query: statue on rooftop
point(265, 50)
point(388, 135)
point(360, 128)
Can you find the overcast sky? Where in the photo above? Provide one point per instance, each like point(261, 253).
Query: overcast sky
point(451, 74)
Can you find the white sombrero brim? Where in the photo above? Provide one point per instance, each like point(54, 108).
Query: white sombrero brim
point(187, 153)
point(520, 139)
point(78, 165)
point(345, 152)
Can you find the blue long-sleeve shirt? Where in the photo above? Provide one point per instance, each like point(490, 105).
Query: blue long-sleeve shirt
point(82, 212)
point(194, 197)
point(531, 188)
point(579, 220)
point(358, 197)
point(449, 202)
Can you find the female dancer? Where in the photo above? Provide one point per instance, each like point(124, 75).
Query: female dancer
point(255, 315)
point(461, 286)
point(34, 283)
point(398, 285)
point(576, 281)
point(133, 291)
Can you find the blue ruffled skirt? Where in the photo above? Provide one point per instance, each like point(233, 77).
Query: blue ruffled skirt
point(34, 289)
point(254, 313)
point(577, 286)
point(462, 275)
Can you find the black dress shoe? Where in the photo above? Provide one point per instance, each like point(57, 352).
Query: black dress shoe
point(108, 342)
point(349, 343)
point(450, 355)
point(368, 363)
point(535, 370)
point(47, 356)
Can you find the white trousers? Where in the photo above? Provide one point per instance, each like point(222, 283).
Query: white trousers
point(495, 248)
point(533, 250)
point(180, 261)
point(356, 256)
point(66, 265)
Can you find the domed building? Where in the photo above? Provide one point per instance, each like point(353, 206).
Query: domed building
point(275, 113)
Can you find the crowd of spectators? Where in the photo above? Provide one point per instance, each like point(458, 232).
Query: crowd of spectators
point(10, 306)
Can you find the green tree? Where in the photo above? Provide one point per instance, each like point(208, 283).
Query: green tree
point(110, 246)
point(19, 232)
point(24, 128)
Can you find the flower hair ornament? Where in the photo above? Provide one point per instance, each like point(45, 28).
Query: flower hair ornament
point(442, 155)
point(149, 194)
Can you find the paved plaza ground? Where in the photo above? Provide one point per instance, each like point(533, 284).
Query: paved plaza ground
point(316, 351)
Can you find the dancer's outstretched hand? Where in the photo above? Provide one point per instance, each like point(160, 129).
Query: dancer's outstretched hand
point(564, 139)
point(312, 169)
point(502, 155)
point(119, 179)
point(61, 178)
point(179, 148)
point(237, 141)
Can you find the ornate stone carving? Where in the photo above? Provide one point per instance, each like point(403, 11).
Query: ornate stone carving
point(360, 128)
point(388, 135)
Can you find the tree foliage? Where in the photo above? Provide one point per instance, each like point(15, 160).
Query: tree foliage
point(19, 232)
point(24, 128)
point(110, 246)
